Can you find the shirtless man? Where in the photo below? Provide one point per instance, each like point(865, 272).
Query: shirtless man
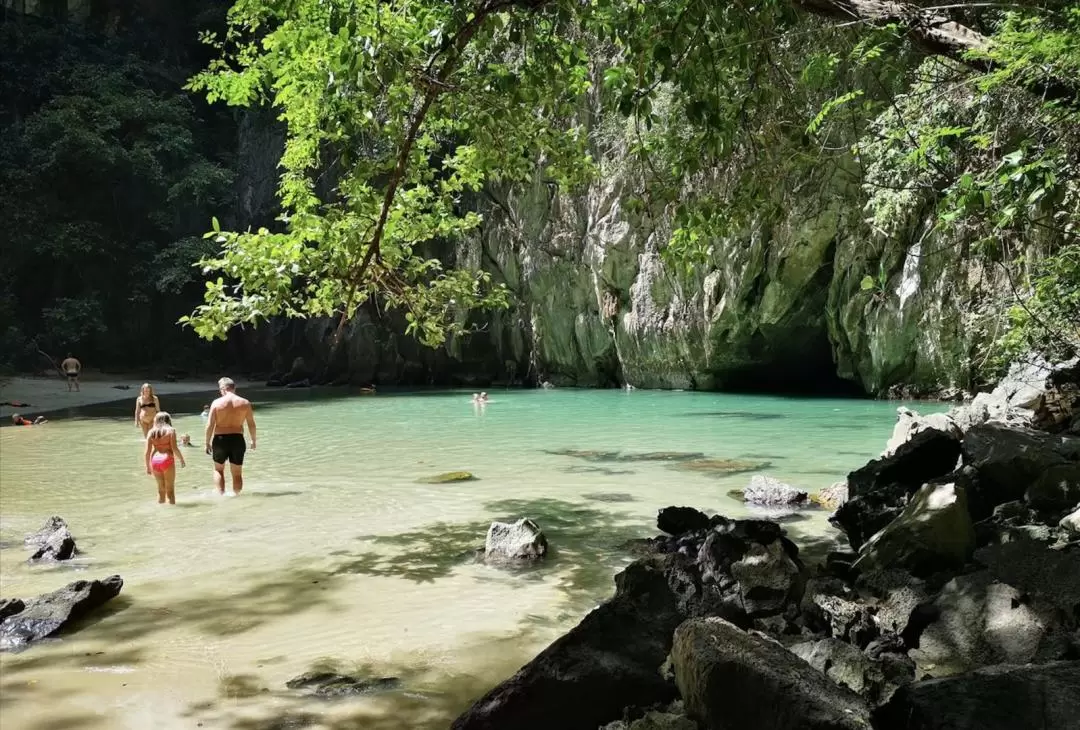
point(225, 434)
point(71, 368)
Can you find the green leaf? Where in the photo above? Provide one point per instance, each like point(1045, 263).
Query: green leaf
point(867, 283)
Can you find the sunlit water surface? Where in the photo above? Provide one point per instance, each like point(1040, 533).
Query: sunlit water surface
point(337, 556)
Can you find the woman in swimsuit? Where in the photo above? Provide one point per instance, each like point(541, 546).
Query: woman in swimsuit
point(161, 449)
point(147, 406)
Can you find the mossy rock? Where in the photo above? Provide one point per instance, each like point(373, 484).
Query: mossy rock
point(448, 477)
point(720, 467)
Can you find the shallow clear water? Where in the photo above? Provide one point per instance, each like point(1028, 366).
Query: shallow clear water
point(336, 556)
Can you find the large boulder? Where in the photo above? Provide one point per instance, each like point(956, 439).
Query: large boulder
point(879, 491)
point(909, 423)
point(1018, 463)
point(609, 661)
point(681, 520)
point(53, 612)
point(1033, 393)
point(1033, 697)
point(933, 533)
point(518, 542)
point(1071, 522)
point(731, 679)
point(980, 622)
point(1037, 571)
point(769, 492)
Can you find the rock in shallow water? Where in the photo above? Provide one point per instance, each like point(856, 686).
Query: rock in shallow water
point(1039, 697)
point(731, 679)
point(681, 520)
point(449, 477)
point(50, 613)
point(58, 546)
point(329, 685)
point(522, 541)
point(769, 492)
point(39, 538)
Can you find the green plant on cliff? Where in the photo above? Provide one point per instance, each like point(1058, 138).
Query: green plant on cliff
point(397, 112)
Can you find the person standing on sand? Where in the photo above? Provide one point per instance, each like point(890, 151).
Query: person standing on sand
point(72, 368)
point(147, 406)
point(159, 457)
point(225, 434)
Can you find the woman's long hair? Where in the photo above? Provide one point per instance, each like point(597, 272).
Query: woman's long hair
point(162, 426)
point(147, 386)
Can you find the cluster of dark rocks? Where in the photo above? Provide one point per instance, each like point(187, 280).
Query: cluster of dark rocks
point(957, 606)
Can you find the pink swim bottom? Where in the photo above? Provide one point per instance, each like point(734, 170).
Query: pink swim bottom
point(160, 462)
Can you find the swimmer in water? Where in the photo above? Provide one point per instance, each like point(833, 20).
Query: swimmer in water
point(185, 440)
point(205, 412)
point(161, 449)
point(18, 420)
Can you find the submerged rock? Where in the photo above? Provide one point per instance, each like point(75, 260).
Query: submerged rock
point(522, 541)
point(934, 532)
point(995, 698)
point(52, 612)
point(609, 661)
point(329, 685)
point(731, 679)
point(769, 492)
point(448, 477)
point(720, 467)
point(878, 492)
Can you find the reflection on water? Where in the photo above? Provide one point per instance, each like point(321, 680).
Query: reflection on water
point(336, 556)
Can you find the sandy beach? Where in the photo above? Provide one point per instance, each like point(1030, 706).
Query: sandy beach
point(51, 394)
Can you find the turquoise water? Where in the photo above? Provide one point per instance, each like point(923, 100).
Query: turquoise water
point(338, 555)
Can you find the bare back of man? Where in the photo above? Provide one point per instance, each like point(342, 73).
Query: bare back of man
point(225, 434)
point(72, 369)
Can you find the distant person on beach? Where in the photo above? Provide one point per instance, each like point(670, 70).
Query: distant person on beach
point(225, 434)
point(147, 407)
point(161, 449)
point(20, 421)
point(205, 412)
point(72, 368)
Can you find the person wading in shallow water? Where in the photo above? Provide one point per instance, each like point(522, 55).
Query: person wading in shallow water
point(225, 434)
point(160, 457)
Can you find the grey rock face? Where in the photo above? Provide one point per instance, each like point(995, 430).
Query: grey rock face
point(731, 679)
point(994, 698)
point(769, 492)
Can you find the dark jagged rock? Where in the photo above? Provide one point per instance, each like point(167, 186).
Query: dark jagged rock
point(879, 491)
point(994, 698)
point(1037, 571)
point(769, 492)
point(330, 685)
point(10, 607)
point(59, 546)
point(1022, 464)
point(521, 541)
point(609, 661)
point(1013, 521)
point(829, 606)
point(39, 538)
point(681, 520)
point(897, 598)
point(50, 613)
point(875, 679)
point(731, 679)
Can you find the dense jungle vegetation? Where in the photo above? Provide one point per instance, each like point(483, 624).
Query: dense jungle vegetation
point(112, 165)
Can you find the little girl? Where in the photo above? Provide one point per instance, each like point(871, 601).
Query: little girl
point(160, 448)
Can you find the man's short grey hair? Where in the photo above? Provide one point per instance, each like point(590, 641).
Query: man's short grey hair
point(226, 383)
